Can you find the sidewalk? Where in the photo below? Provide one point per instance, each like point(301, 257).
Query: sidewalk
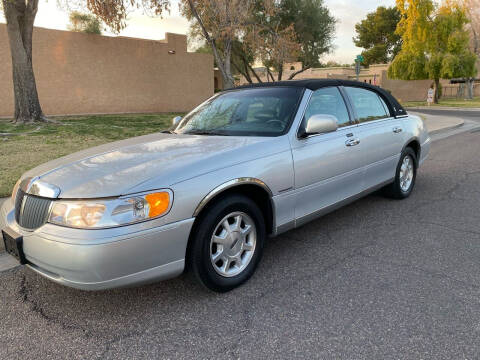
point(439, 123)
point(449, 108)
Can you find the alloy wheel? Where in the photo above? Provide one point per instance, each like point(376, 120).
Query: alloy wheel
point(233, 244)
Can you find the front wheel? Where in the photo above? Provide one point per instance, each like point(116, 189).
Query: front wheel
point(405, 176)
point(228, 243)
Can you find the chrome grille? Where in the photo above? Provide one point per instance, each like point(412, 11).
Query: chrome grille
point(31, 212)
point(18, 203)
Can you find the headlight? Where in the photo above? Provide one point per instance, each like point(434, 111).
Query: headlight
point(104, 213)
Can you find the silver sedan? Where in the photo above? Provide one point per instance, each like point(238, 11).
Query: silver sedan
point(247, 164)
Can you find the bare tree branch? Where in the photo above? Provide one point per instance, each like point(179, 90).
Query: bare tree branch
point(298, 72)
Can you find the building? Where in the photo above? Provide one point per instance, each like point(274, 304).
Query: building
point(412, 90)
point(79, 73)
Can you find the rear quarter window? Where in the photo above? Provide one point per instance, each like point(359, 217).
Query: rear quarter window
point(368, 105)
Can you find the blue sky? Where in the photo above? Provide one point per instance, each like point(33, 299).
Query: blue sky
point(347, 12)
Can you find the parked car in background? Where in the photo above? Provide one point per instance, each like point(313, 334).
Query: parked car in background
point(247, 164)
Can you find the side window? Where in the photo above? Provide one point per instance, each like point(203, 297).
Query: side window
point(385, 106)
point(367, 104)
point(328, 101)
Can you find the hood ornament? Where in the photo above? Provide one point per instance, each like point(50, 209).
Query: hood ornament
point(34, 186)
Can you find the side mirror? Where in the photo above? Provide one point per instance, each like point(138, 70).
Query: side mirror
point(320, 124)
point(176, 120)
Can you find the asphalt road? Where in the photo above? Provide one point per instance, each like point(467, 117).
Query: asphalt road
point(378, 279)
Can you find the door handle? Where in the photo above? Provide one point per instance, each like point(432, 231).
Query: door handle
point(352, 142)
point(397, 130)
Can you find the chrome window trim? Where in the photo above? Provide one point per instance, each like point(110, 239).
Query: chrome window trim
point(376, 121)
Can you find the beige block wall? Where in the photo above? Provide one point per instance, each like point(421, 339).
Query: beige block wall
point(80, 73)
point(407, 90)
point(416, 90)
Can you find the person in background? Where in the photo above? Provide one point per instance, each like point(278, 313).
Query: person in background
point(430, 94)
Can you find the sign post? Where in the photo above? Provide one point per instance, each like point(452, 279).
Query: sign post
point(358, 60)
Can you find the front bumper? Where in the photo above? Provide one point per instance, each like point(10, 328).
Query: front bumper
point(107, 258)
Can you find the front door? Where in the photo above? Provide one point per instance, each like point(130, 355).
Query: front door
point(328, 167)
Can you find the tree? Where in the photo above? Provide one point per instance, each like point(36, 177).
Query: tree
point(314, 30)
point(376, 34)
point(20, 17)
point(219, 21)
point(472, 9)
point(435, 43)
point(274, 32)
point(86, 23)
point(332, 63)
point(273, 42)
point(242, 58)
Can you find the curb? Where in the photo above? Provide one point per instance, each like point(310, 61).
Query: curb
point(449, 108)
point(447, 128)
point(460, 122)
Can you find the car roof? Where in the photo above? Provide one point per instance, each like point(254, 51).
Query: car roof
point(315, 84)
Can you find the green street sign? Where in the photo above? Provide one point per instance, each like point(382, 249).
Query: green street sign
point(360, 58)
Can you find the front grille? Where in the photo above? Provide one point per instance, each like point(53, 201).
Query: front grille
point(18, 203)
point(31, 212)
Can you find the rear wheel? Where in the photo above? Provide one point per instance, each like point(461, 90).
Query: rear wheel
point(405, 176)
point(228, 243)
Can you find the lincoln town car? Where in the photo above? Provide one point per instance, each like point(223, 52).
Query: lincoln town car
point(247, 164)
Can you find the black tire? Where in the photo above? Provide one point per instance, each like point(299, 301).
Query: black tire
point(200, 250)
point(394, 190)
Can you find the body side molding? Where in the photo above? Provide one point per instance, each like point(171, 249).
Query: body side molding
point(228, 185)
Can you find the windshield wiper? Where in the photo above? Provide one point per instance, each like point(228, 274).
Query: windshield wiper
point(205, 132)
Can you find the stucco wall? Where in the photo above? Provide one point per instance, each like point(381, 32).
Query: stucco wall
point(416, 90)
point(406, 90)
point(80, 73)
point(412, 90)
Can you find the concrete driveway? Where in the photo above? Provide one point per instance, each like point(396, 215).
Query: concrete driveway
point(378, 279)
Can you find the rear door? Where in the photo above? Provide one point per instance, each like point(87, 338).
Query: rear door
point(379, 132)
point(328, 167)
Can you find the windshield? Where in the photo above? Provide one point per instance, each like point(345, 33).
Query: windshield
point(248, 112)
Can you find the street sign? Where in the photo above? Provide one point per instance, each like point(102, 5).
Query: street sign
point(358, 60)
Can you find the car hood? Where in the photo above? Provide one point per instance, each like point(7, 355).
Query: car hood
point(121, 167)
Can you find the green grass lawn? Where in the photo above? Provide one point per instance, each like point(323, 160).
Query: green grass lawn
point(460, 103)
point(42, 143)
